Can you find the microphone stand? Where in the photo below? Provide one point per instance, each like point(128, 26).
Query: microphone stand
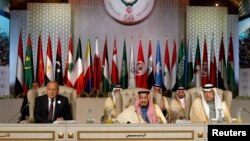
point(24, 107)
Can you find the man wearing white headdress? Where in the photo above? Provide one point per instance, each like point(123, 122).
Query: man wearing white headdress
point(208, 107)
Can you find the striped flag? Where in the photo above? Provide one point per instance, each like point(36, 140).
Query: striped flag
point(150, 67)
point(68, 75)
point(132, 66)
point(58, 71)
point(197, 65)
point(49, 76)
point(78, 70)
point(190, 68)
point(28, 67)
point(88, 70)
point(166, 74)
point(105, 69)
point(204, 68)
point(114, 71)
point(173, 66)
point(124, 68)
point(40, 65)
point(19, 67)
point(230, 67)
point(213, 68)
point(97, 67)
point(222, 74)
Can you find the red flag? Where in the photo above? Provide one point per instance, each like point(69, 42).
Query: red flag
point(19, 67)
point(173, 66)
point(78, 70)
point(49, 63)
point(166, 74)
point(97, 67)
point(88, 69)
point(204, 68)
point(40, 66)
point(68, 77)
point(213, 68)
point(141, 73)
point(114, 71)
point(150, 70)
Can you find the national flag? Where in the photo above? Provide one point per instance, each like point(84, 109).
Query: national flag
point(124, 68)
point(230, 67)
point(40, 65)
point(114, 71)
point(173, 66)
point(158, 72)
point(97, 67)
point(58, 72)
point(78, 70)
point(213, 68)
point(204, 68)
point(88, 70)
point(190, 68)
point(222, 74)
point(19, 67)
point(166, 74)
point(105, 69)
point(28, 67)
point(141, 74)
point(180, 68)
point(68, 75)
point(132, 66)
point(49, 76)
point(197, 65)
point(150, 67)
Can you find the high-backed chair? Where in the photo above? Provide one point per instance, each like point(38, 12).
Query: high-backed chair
point(68, 92)
point(225, 95)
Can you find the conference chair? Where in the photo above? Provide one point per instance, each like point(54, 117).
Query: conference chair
point(68, 92)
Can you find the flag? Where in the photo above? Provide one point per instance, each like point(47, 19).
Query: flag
point(78, 70)
point(222, 75)
point(150, 68)
point(173, 66)
point(105, 69)
point(213, 68)
point(124, 68)
point(141, 74)
point(132, 66)
point(49, 63)
point(88, 71)
point(197, 65)
point(166, 75)
point(158, 72)
point(230, 67)
point(190, 68)
point(180, 68)
point(19, 67)
point(114, 71)
point(204, 68)
point(28, 67)
point(40, 65)
point(68, 75)
point(97, 67)
point(58, 72)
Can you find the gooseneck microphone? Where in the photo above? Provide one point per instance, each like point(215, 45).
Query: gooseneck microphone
point(24, 107)
point(138, 116)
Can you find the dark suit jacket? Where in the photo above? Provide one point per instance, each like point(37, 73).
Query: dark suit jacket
point(62, 109)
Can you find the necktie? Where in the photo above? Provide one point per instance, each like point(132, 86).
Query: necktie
point(51, 107)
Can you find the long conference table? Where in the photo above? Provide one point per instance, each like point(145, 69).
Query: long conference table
point(103, 132)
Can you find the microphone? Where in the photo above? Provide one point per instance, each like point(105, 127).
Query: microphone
point(138, 116)
point(24, 107)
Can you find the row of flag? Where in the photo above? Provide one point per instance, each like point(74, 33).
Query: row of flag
point(84, 76)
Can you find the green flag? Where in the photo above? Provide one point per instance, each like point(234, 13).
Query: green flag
point(124, 71)
point(28, 67)
point(180, 66)
point(230, 68)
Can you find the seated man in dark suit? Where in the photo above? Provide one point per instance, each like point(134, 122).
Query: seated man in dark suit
point(52, 106)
